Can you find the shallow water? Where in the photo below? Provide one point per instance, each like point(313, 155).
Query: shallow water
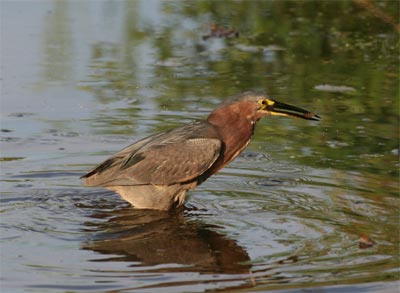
point(308, 205)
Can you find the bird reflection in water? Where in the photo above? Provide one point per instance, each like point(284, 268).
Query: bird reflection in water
point(151, 237)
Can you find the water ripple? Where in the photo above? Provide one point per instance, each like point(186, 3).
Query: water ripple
point(256, 225)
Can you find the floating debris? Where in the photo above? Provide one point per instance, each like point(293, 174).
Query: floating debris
point(21, 114)
point(255, 49)
point(365, 242)
point(290, 259)
point(7, 159)
point(334, 88)
point(218, 32)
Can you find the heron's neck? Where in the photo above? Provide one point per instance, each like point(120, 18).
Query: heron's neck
point(235, 130)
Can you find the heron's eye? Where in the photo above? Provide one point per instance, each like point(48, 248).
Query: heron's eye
point(266, 103)
point(263, 104)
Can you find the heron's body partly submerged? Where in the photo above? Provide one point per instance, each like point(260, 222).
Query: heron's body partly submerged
point(156, 172)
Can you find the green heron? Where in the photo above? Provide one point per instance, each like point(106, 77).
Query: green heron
point(156, 172)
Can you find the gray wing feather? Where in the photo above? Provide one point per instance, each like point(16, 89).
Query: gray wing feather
point(163, 159)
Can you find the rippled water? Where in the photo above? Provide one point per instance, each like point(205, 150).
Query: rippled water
point(307, 205)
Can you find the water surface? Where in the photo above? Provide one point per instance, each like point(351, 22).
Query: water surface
point(308, 205)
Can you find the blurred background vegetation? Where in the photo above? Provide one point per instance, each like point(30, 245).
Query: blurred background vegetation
point(339, 58)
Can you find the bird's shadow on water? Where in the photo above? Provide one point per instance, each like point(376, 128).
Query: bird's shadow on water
point(149, 238)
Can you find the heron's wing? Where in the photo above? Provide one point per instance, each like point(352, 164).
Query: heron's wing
point(164, 159)
point(110, 165)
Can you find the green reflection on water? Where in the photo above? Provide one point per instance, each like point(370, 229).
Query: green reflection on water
point(335, 58)
point(359, 130)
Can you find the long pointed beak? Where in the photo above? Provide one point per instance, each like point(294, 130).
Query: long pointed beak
point(282, 109)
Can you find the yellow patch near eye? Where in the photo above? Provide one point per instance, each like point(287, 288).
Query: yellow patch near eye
point(266, 102)
point(269, 102)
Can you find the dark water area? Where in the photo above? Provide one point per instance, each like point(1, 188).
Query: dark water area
point(308, 206)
